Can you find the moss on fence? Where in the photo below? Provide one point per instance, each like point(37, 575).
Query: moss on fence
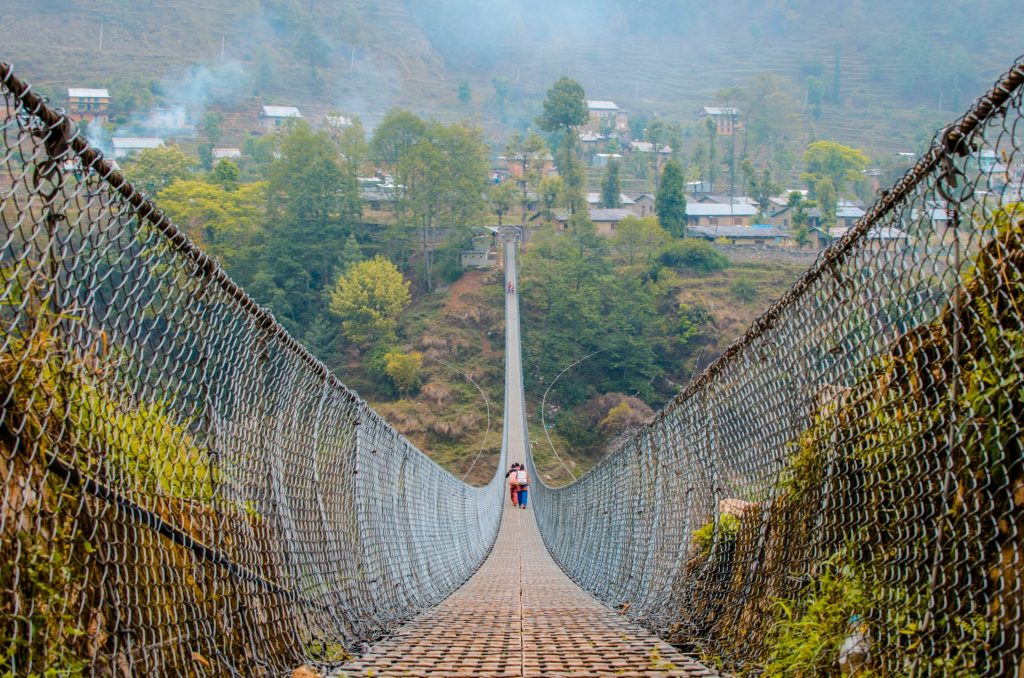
point(898, 511)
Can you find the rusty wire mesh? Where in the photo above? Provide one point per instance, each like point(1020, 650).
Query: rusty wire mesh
point(845, 485)
point(183, 489)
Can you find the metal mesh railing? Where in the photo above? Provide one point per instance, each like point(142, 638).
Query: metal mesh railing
point(184, 489)
point(845, 486)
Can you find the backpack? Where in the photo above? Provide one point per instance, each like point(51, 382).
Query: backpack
point(513, 478)
point(522, 478)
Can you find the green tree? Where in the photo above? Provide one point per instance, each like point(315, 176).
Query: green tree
point(154, 169)
point(405, 370)
point(501, 197)
point(611, 186)
point(670, 201)
point(826, 197)
point(226, 174)
point(465, 95)
point(798, 208)
point(444, 175)
point(638, 238)
point(711, 173)
point(313, 205)
point(225, 222)
point(565, 107)
point(211, 127)
point(549, 190)
point(350, 138)
point(841, 164)
point(531, 154)
point(574, 177)
point(368, 299)
point(394, 136)
point(760, 185)
point(351, 254)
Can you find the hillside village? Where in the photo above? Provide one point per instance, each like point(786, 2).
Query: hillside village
point(716, 211)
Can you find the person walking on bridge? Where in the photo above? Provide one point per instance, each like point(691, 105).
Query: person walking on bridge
point(513, 483)
point(523, 481)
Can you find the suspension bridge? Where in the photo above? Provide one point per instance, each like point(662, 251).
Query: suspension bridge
point(188, 491)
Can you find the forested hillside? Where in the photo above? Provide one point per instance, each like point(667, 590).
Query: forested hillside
point(867, 72)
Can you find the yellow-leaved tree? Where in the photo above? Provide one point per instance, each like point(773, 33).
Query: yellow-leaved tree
point(368, 299)
point(405, 370)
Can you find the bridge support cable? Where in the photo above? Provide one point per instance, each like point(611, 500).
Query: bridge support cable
point(842, 488)
point(185, 488)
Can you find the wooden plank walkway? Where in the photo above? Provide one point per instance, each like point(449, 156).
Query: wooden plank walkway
point(520, 614)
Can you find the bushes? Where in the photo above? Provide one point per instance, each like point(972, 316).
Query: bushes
point(695, 256)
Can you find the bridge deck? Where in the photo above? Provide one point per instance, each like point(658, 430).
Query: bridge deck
point(520, 615)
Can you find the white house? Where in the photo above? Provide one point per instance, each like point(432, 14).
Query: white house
point(126, 146)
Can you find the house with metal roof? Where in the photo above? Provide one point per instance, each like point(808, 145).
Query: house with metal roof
point(727, 118)
point(88, 104)
point(760, 235)
point(127, 146)
point(606, 117)
point(273, 117)
point(717, 214)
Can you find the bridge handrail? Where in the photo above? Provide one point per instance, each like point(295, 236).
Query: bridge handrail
point(842, 469)
point(187, 489)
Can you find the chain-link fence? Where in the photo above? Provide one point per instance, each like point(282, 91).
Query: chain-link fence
point(845, 486)
point(184, 489)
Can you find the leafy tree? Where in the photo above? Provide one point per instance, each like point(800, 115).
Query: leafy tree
point(611, 187)
point(760, 185)
point(405, 370)
point(223, 221)
point(825, 195)
point(351, 255)
point(638, 238)
point(153, 169)
point(798, 208)
point(770, 120)
point(226, 174)
point(693, 255)
point(841, 164)
point(711, 168)
point(549, 190)
point(565, 107)
point(350, 138)
point(444, 175)
point(211, 126)
point(464, 92)
point(530, 153)
point(670, 201)
point(574, 177)
point(501, 197)
point(368, 299)
point(313, 205)
point(394, 136)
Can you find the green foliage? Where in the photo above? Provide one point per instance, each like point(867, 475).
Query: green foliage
point(226, 174)
point(695, 256)
point(405, 370)
point(394, 136)
point(638, 240)
point(465, 94)
point(154, 169)
point(670, 201)
point(828, 159)
point(565, 107)
point(368, 299)
point(501, 198)
point(611, 186)
point(704, 537)
point(825, 196)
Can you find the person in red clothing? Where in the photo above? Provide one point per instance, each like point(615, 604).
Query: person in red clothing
point(513, 483)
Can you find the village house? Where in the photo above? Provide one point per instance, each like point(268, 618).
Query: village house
point(760, 235)
point(716, 214)
point(643, 205)
point(274, 117)
point(878, 238)
point(726, 118)
point(606, 117)
point(512, 165)
point(847, 214)
point(128, 146)
point(660, 152)
point(226, 153)
point(625, 202)
point(606, 221)
point(88, 104)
